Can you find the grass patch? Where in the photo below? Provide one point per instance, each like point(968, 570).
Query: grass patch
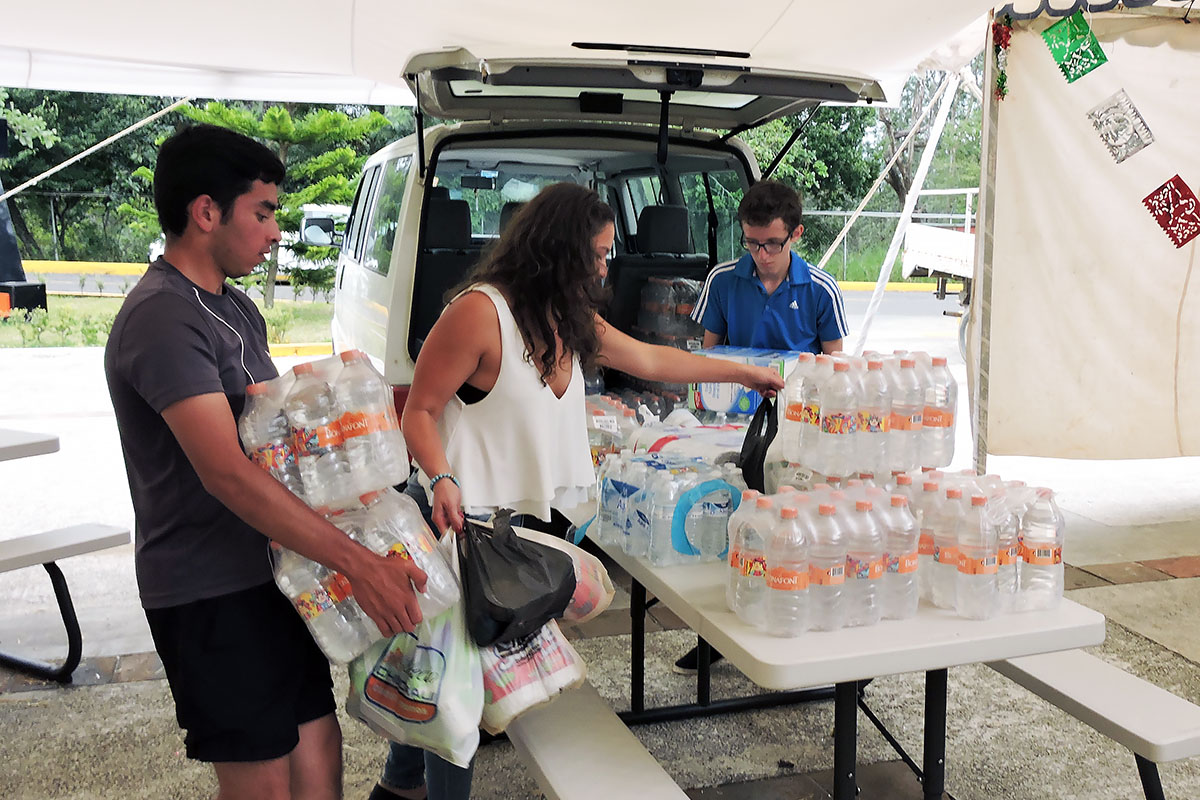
point(86, 321)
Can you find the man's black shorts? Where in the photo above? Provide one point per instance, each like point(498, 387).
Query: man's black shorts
point(244, 672)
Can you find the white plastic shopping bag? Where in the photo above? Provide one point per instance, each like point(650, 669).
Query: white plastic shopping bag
point(593, 588)
point(424, 688)
point(526, 672)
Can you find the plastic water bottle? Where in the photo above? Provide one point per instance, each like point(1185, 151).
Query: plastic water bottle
point(874, 419)
point(787, 576)
point(839, 422)
point(976, 594)
point(399, 531)
point(928, 506)
point(267, 438)
point(342, 637)
point(945, 549)
point(750, 586)
point(370, 429)
point(713, 522)
point(810, 431)
point(900, 591)
point(864, 566)
point(908, 407)
point(605, 501)
point(737, 522)
point(664, 495)
point(635, 531)
point(1041, 576)
point(792, 425)
point(827, 571)
point(313, 413)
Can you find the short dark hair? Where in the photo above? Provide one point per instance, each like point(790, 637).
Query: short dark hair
point(211, 160)
point(769, 200)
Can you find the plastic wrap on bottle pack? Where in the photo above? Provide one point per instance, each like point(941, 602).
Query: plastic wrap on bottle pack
point(525, 673)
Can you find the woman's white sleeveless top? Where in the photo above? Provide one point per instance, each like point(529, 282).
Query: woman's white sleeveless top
point(520, 447)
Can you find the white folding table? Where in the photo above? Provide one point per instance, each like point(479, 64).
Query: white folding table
point(19, 444)
point(932, 641)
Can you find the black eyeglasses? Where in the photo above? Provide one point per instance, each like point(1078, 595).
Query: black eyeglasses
point(773, 247)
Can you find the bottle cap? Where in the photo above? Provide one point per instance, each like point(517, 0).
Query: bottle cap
point(874, 491)
point(821, 487)
point(786, 489)
point(800, 498)
point(597, 412)
point(863, 505)
point(303, 369)
point(939, 361)
point(930, 486)
point(841, 366)
point(823, 359)
point(368, 498)
point(833, 480)
point(899, 500)
point(351, 355)
point(837, 495)
point(787, 512)
point(903, 480)
point(257, 388)
point(954, 494)
point(874, 364)
point(908, 363)
point(866, 476)
point(629, 412)
point(763, 502)
point(854, 483)
point(749, 494)
point(828, 509)
point(978, 500)
point(806, 357)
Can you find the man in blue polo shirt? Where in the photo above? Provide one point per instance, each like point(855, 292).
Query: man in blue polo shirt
point(771, 297)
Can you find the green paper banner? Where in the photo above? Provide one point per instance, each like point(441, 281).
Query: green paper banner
point(1074, 47)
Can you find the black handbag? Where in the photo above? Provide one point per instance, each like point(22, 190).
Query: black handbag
point(763, 427)
point(511, 586)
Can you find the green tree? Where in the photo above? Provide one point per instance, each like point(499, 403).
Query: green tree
point(30, 130)
point(318, 142)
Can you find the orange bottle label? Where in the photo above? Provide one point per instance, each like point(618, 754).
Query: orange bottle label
point(315, 441)
point(354, 423)
point(1009, 555)
point(865, 568)
point(945, 555)
point(786, 579)
point(830, 576)
point(937, 417)
point(339, 588)
point(735, 559)
point(977, 566)
point(902, 564)
point(795, 412)
point(925, 543)
point(1041, 555)
point(902, 422)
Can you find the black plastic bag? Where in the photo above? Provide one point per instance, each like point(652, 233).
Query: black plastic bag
point(759, 436)
point(511, 586)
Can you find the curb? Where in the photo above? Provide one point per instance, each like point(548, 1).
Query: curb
point(302, 349)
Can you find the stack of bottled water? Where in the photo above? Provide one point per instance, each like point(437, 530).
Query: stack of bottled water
point(844, 414)
point(850, 553)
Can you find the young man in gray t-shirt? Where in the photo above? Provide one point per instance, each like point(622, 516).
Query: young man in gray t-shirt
point(251, 688)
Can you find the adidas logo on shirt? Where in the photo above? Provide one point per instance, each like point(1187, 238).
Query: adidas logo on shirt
point(793, 306)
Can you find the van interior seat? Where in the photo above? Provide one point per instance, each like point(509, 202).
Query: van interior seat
point(506, 214)
point(445, 259)
point(664, 251)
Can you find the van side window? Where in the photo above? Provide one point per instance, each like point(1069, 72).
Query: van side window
point(642, 191)
point(385, 215)
point(352, 243)
point(726, 186)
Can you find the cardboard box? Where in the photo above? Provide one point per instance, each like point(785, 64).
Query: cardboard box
point(733, 398)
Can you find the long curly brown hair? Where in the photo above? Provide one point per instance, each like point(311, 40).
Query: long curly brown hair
point(545, 265)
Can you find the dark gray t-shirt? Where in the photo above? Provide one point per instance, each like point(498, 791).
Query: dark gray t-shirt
point(172, 340)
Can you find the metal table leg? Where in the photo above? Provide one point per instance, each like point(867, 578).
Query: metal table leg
point(935, 734)
point(637, 648)
point(703, 672)
point(61, 674)
point(845, 741)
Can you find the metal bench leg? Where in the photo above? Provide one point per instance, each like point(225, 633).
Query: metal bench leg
point(934, 773)
point(845, 741)
point(39, 669)
point(1151, 785)
point(637, 648)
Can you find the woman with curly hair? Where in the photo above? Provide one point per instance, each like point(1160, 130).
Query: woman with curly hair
point(496, 414)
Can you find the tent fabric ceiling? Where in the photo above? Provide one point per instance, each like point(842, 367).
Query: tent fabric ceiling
point(355, 50)
point(1028, 9)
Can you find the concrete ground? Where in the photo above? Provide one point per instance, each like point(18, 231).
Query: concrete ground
point(1131, 549)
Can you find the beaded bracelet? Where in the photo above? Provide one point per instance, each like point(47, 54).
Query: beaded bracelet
point(433, 481)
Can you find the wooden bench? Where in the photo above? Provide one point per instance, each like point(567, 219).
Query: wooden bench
point(579, 749)
point(46, 548)
point(1155, 724)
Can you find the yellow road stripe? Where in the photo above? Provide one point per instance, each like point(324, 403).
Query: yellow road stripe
point(83, 268)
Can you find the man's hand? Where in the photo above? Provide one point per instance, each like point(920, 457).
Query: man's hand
point(386, 590)
point(764, 380)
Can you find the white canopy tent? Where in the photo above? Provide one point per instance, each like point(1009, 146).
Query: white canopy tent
point(355, 50)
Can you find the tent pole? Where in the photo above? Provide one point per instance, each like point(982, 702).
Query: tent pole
point(980, 307)
point(94, 148)
point(948, 91)
point(879, 181)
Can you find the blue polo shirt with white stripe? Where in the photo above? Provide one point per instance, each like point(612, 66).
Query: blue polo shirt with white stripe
point(805, 310)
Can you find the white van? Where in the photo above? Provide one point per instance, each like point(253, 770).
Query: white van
point(653, 134)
